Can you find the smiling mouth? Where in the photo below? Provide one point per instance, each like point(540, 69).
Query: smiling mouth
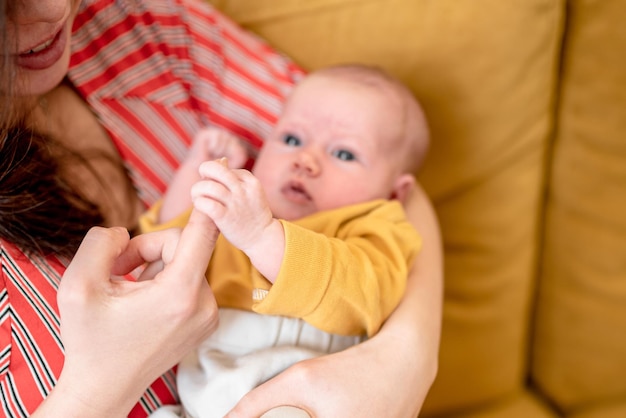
point(44, 55)
point(44, 45)
point(41, 47)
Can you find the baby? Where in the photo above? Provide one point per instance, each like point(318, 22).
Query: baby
point(315, 237)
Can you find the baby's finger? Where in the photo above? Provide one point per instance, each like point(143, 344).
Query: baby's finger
point(210, 189)
point(245, 177)
point(218, 171)
point(210, 207)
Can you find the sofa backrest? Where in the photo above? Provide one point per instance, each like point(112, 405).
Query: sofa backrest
point(579, 350)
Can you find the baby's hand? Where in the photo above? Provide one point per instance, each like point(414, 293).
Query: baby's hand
point(213, 143)
point(235, 201)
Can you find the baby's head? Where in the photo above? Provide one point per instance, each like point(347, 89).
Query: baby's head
point(348, 134)
point(400, 115)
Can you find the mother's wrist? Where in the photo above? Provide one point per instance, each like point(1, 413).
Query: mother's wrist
point(71, 399)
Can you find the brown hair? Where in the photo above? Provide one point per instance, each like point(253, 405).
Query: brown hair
point(39, 211)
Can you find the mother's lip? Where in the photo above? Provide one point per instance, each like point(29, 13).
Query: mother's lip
point(44, 55)
point(41, 44)
point(38, 48)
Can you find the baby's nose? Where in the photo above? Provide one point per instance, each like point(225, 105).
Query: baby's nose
point(307, 163)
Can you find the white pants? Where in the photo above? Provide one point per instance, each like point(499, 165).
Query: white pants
point(246, 350)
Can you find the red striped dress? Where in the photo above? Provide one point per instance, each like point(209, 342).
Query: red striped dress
point(154, 72)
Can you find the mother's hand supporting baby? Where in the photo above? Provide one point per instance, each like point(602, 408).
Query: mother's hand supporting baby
point(119, 335)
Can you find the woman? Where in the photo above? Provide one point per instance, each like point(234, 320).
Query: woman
point(91, 136)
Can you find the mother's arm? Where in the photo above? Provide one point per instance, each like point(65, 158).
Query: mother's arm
point(368, 379)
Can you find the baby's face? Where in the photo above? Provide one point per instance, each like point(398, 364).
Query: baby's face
point(334, 145)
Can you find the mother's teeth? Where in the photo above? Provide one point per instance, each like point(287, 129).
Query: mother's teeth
point(41, 47)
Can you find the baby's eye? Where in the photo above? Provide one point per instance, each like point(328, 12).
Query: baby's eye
point(291, 140)
point(344, 155)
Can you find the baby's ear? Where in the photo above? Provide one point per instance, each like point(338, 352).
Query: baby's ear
point(402, 186)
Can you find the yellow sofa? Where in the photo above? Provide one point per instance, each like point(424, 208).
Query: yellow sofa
point(527, 104)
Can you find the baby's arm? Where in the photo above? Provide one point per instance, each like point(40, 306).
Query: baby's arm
point(209, 144)
point(236, 202)
point(352, 274)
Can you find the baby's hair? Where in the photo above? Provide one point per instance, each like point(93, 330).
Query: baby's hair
point(415, 132)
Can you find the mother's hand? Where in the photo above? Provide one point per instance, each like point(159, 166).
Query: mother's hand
point(119, 336)
point(358, 382)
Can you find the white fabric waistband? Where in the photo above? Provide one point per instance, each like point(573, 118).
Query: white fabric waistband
point(241, 332)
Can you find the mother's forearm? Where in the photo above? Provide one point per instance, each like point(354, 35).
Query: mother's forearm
point(416, 322)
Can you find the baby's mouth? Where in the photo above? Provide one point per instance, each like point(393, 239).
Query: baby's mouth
point(295, 191)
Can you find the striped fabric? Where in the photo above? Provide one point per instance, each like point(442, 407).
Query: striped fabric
point(154, 72)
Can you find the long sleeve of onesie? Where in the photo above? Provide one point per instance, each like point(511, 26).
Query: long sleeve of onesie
point(344, 271)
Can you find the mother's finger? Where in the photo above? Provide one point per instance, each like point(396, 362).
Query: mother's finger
point(96, 256)
point(156, 246)
point(195, 247)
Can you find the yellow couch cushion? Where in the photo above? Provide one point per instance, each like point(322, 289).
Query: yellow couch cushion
point(604, 410)
point(485, 71)
point(580, 346)
point(522, 405)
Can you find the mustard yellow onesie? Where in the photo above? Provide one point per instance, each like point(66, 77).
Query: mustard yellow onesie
point(343, 272)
